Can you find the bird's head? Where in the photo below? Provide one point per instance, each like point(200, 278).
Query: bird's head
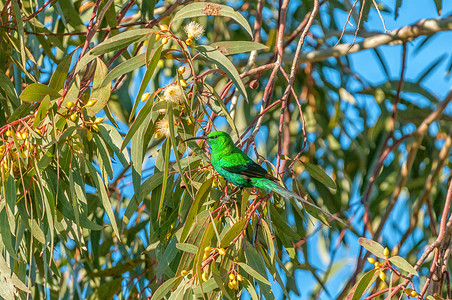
point(217, 140)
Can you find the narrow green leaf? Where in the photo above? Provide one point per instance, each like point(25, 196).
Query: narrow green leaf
point(207, 287)
point(224, 64)
point(100, 92)
point(233, 232)
point(21, 34)
point(362, 285)
point(164, 289)
point(373, 247)
point(118, 269)
point(37, 232)
point(439, 6)
point(165, 176)
point(4, 269)
point(253, 273)
point(42, 111)
point(151, 65)
point(120, 41)
point(235, 47)
point(142, 115)
point(36, 92)
point(104, 155)
point(221, 282)
point(201, 196)
point(114, 140)
point(104, 197)
point(254, 260)
point(187, 248)
point(60, 74)
point(250, 288)
point(6, 231)
point(210, 92)
point(403, 265)
point(114, 43)
point(8, 87)
point(125, 67)
point(201, 9)
point(317, 173)
point(269, 238)
point(280, 224)
point(149, 185)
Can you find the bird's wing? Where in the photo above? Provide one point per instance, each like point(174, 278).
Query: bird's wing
point(250, 169)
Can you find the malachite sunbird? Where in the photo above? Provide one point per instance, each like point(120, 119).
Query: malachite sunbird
point(236, 167)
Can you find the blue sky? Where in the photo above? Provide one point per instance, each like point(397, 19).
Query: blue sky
point(366, 64)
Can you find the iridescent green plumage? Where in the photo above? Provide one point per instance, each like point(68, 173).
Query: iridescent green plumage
point(236, 167)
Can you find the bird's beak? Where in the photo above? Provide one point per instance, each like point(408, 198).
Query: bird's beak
point(204, 137)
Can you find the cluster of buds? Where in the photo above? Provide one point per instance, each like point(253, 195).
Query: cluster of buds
point(234, 280)
point(9, 154)
point(208, 251)
point(164, 28)
point(74, 111)
point(380, 266)
point(383, 266)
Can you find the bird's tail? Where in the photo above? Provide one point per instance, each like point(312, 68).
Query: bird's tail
point(266, 184)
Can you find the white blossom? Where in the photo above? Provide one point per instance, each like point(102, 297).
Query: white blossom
point(194, 30)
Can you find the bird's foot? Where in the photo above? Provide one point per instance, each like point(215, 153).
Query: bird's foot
point(227, 199)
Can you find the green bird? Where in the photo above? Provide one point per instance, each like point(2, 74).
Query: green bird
point(236, 167)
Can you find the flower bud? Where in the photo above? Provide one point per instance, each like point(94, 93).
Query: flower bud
point(181, 70)
point(183, 83)
point(231, 276)
point(382, 276)
point(205, 276)
point(164, 40)
point(90, 103)
point(188, 42)
point(74, 117)
point(239, 277)
point(8, 133)
point(164, 27)
point(184, 273)
point(98, 120)
point(221, 251)
point(371, 260)
point(70, 104)
point(386, 252)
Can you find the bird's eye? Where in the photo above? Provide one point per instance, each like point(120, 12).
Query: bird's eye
point(215, 136)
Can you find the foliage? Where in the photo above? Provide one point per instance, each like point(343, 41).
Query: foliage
point(101, 195)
